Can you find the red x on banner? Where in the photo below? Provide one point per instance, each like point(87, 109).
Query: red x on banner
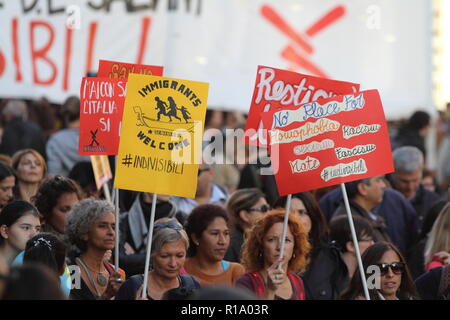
point(301, 40)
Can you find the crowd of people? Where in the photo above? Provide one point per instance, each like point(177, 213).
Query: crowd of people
point(58, 233)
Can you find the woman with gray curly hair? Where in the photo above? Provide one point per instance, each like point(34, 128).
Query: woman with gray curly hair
point(90, 231)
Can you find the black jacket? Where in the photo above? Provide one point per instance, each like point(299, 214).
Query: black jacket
point(327, 275)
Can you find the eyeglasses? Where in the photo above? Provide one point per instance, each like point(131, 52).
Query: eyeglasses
point(170, 224)
point(366, 239)
point(264, 208)
point(202, 170)
point(396, 267)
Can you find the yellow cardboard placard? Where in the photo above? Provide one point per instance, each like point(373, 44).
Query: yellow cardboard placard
point(102, 170)
point(161, 135)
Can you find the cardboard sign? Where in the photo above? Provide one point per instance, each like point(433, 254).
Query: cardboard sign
point(162, 129)
point(101, 108)
point(102, 170)
point(279, 89)
point(330, 141)
point(115, 69)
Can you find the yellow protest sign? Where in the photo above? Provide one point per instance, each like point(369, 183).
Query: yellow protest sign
point(102, 170)
point(161, 136)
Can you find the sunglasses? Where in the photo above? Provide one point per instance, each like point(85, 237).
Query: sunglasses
point(264, 208)
point(202, 170)
point(396, 267)
point(169, 224)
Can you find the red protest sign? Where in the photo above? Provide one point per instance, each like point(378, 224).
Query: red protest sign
point(330, 141)
point(101, 108)
point(276, 88)
point(114, 69)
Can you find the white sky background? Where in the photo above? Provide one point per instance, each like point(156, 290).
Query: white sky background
point(445, 62)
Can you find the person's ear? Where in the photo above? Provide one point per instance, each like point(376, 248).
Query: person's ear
point(361, 187)
point(350, 247)
point(195, 239)
point(85, 237)
point(4, 231)
point(243, 214)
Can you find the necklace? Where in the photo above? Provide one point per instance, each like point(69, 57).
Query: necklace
point(101, 279)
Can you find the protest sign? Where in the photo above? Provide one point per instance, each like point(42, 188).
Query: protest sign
point(330, 141)
point(279, 89)
point(101, 107)
point(115, 69)
point(102, 170)
point(162, 129)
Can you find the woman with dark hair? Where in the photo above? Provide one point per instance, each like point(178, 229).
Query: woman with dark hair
point(49, 250)
point(90, 231)
point(54, 199)
point(7, 182)
point(269, 276)
point(169, 247)
point(393, 279)
point(19, 221)
point(30, 168)
point(209, 236)
point(244, 207)
point(309, 212)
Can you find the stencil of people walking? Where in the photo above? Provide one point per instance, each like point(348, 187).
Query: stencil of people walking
point(185, 113)
point(161, 106)
point(172, 109)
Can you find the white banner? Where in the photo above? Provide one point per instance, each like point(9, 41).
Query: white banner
point(384, 45)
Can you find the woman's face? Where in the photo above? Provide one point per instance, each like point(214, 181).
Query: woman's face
point(390, 282)
point(102, 233)
point(272, 244)
point(59, 212)
point(6, 190)
point(30, 169)
point(255, 212)
point(168, 262)
point(214, 241)
point(21, 231)
point(299, 207)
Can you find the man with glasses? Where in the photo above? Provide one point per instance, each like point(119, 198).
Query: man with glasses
point(364, 195)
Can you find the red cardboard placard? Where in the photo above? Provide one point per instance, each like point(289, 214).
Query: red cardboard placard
point(115, 69)
point(101, 109)
point(327, 142)
point(276, 88)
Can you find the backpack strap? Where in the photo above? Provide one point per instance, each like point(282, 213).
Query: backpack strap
point(297, 283)
point(188, 282)
point(258, 283)
point(444, 284)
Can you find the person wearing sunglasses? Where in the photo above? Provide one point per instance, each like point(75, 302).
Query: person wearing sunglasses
point(209, 236)
point(244, 207)
point(393, 279)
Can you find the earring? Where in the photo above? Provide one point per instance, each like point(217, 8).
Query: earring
point(260, 255)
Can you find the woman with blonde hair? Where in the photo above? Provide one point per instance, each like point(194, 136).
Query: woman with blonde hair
point(437, 247)
point(169, 247)
point(269, 276)
point(30, 169)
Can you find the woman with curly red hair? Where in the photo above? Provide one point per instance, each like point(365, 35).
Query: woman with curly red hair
point(269, 276)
